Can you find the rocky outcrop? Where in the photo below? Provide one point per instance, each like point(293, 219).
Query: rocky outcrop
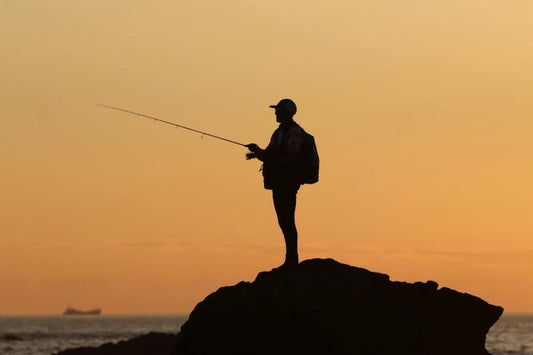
point(149, 344)
point(325, 307)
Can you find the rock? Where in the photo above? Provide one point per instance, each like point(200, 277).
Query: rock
point(149, 344)
point(11, 337)
point(325, 307)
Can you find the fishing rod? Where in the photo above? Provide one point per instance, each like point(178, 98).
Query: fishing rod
point(173, 124)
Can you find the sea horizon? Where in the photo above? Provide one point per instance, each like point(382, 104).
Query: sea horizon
point(527, 313)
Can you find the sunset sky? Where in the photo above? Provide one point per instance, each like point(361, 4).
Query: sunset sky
point(422, 112)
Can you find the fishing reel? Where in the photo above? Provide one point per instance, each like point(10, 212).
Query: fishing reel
point(250, 155)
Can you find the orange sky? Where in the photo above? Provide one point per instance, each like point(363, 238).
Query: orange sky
point(421, 111)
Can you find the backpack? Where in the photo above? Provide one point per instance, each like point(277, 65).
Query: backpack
point(309, 161)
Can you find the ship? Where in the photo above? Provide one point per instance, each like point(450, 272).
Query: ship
point(76, 312)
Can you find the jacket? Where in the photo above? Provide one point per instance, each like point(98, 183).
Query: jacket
point(281, 157)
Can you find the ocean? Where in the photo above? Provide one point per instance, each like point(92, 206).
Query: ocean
point(46, 335)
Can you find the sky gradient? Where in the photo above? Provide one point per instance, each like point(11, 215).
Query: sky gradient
point(421, 110)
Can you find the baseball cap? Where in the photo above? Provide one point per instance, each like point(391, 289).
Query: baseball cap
point(285, 104)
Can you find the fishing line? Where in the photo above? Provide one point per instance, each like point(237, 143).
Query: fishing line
point(173, 124)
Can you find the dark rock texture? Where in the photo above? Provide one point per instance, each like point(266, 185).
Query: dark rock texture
point(149, 344)
point(325, 307)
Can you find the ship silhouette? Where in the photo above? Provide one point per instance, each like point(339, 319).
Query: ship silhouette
point(76, 312)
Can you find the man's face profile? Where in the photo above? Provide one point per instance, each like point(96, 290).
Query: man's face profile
point(283, 115)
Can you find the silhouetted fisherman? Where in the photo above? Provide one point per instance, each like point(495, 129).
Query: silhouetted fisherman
point(281, 174)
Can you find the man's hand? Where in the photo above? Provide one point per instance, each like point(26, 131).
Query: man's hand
point(253, 147)
point(255, 152)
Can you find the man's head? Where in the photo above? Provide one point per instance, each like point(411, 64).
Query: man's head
point(285, 109)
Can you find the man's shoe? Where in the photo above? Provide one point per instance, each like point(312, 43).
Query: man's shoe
point(290, 265)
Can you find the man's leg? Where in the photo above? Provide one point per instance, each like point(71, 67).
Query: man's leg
point(285, 205)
